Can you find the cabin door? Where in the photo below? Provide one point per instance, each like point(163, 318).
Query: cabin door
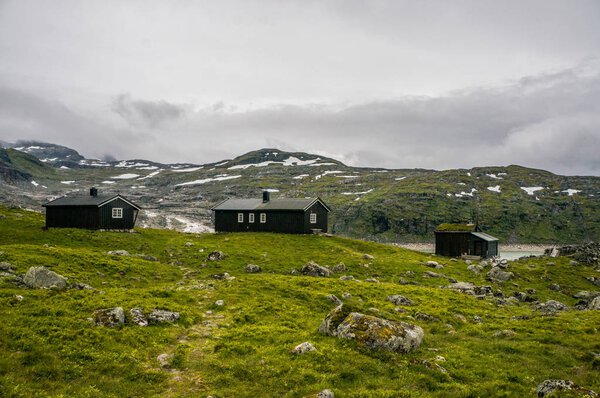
point(478, 248)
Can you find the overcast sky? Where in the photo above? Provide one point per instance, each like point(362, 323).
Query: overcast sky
point(432, 84)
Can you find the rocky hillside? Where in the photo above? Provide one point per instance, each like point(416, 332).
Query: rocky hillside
point(516, 204)
point(164, 314)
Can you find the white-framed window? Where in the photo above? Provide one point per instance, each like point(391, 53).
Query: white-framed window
point(240, 217)
point(251, 218)
point(263, 218)
point(313, 218)
point(117, 212)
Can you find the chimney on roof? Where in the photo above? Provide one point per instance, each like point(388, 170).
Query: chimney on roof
point(266, 196)
point(93, 191)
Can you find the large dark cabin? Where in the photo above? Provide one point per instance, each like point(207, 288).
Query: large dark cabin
point(454, 240)
point(92, 212)
point(292, 216)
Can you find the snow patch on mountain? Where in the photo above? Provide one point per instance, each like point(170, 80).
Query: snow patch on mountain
point(531, 190)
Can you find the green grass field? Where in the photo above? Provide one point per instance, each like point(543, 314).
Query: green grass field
point(49, 348)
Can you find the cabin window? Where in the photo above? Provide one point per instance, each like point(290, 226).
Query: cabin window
point(313, 218)
point(117, 212)
point(240, 217)
point(263, 218)
point(251, 217)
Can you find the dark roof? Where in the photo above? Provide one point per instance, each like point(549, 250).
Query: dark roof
point(457, 228)
point(271, 205)
point(87, 201)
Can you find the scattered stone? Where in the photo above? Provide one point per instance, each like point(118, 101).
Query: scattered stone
point(483, 290)
point(334, 299)
point(555, 287)
point(109, 317)
point(303, 348)
point(503, 263)
point(189, 244)
point(594, 304)
point(551, 306)
point(594, 280)
point(421, 316)
point(573, 262)
point(430, 274)
point(124, 253)
point(409, 274)
point(550, 264)
point(222, 277)
point(377, 333)
point(162, 316)
point(313, 269)
point(496, 274)
point(531, 291)
point(215, 256)
point(136, 316)
point(434, 264)
point(399, 300)
point(43, 278)
point(19, 297)
point(477, 319)
point(585, 295)
point(7, 267)
point(587, 253)
point(505, 333)
point(80, 286)
point(468, 262)
point(475, 268)
point(164, 360)
point(346, 278)
point(326, 394)
point(252, 268)
point(461, 318)
point(147, 257)
point(346, 295)
point(465, 287)
point(368, 257)
point(548, 387)
point(403, 281)
point(341, 267)
point(220, 303)
point(372, 280)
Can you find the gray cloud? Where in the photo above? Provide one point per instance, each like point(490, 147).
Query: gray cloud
point(150, 114)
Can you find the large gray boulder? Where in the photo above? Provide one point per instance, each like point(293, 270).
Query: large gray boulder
point(109, 317)
point(43, 278)
point(496, 274)
point(551, 306)
point(377, 333)
point(548, 387)
point(162, 316)
point(313, 269)
point(215, 256)
point(594, 304)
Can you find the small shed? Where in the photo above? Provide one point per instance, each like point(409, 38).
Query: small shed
point(454, 240)
point(284, 215)
point(92, 212)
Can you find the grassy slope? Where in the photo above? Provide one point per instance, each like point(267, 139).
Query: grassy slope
point(243, 348)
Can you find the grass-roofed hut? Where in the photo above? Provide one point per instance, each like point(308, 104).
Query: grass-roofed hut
point(454, 240)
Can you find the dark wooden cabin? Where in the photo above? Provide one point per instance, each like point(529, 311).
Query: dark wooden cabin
point(91, 212)
point(292, 216)
point(454, 240)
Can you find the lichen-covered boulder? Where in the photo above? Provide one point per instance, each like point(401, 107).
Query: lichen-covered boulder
point(215, 256)
point(43, 278)
point(326, 394)
point(333, 319)
point(303, 348)
point(313, 269)
point(162, 316)
point(551, 306)
point(496, 274)
point(124, 253)
point(109, 317)
point(548, 387)
point(399, 300)
point(252, 268)
point(377, 333)
point(136, 316)
point(594, 304)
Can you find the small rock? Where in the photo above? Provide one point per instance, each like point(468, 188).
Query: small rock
point(303, 348)
point(462, 286)
point(43, 278)
point(440, 358)
point(189, 244)
point(341, 267)
point(430, 274)
point(503, 263)
point(222, 277)
point(505, 333)
point(585, 295)
point(548, 387)
point(372, 280)
point(498, 275)
point(220, 303)
point(551, 306)
point(252, 268)
point(475, 268)
point(19, 297)
point(215, 256)
point(326, 394)
point(468, 262)
point(425, 317)
point(80, 286)
point(334, 299)
point(162, 316)
point(346, 295)
point(109, 317)
point(555, 287)
point(6, 267)
point(313, 269)
point(477, 319)
point(368, 257)
point(137, 317)
point(346, 277)
point(594, 304)
point(119, 253)
point(164, 360)
point(573, 262)
point(147, 257)
point(432, 264)
point(399, 300)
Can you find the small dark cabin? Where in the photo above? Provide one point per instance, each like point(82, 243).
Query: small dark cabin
point(454, 240)
point(292, 216)
point(91, 212)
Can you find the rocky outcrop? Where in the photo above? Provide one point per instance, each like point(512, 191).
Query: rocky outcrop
point(594, 304)
point(43, 278)
point(588, 253)
point(162, 316)
point(548, 387)
point(109, 317)
point(372, 332)
point(313, 269)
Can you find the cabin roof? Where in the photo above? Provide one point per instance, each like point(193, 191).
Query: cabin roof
point(457, 228)
point(273, 204)
point(484, 236)
point(87, 201)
